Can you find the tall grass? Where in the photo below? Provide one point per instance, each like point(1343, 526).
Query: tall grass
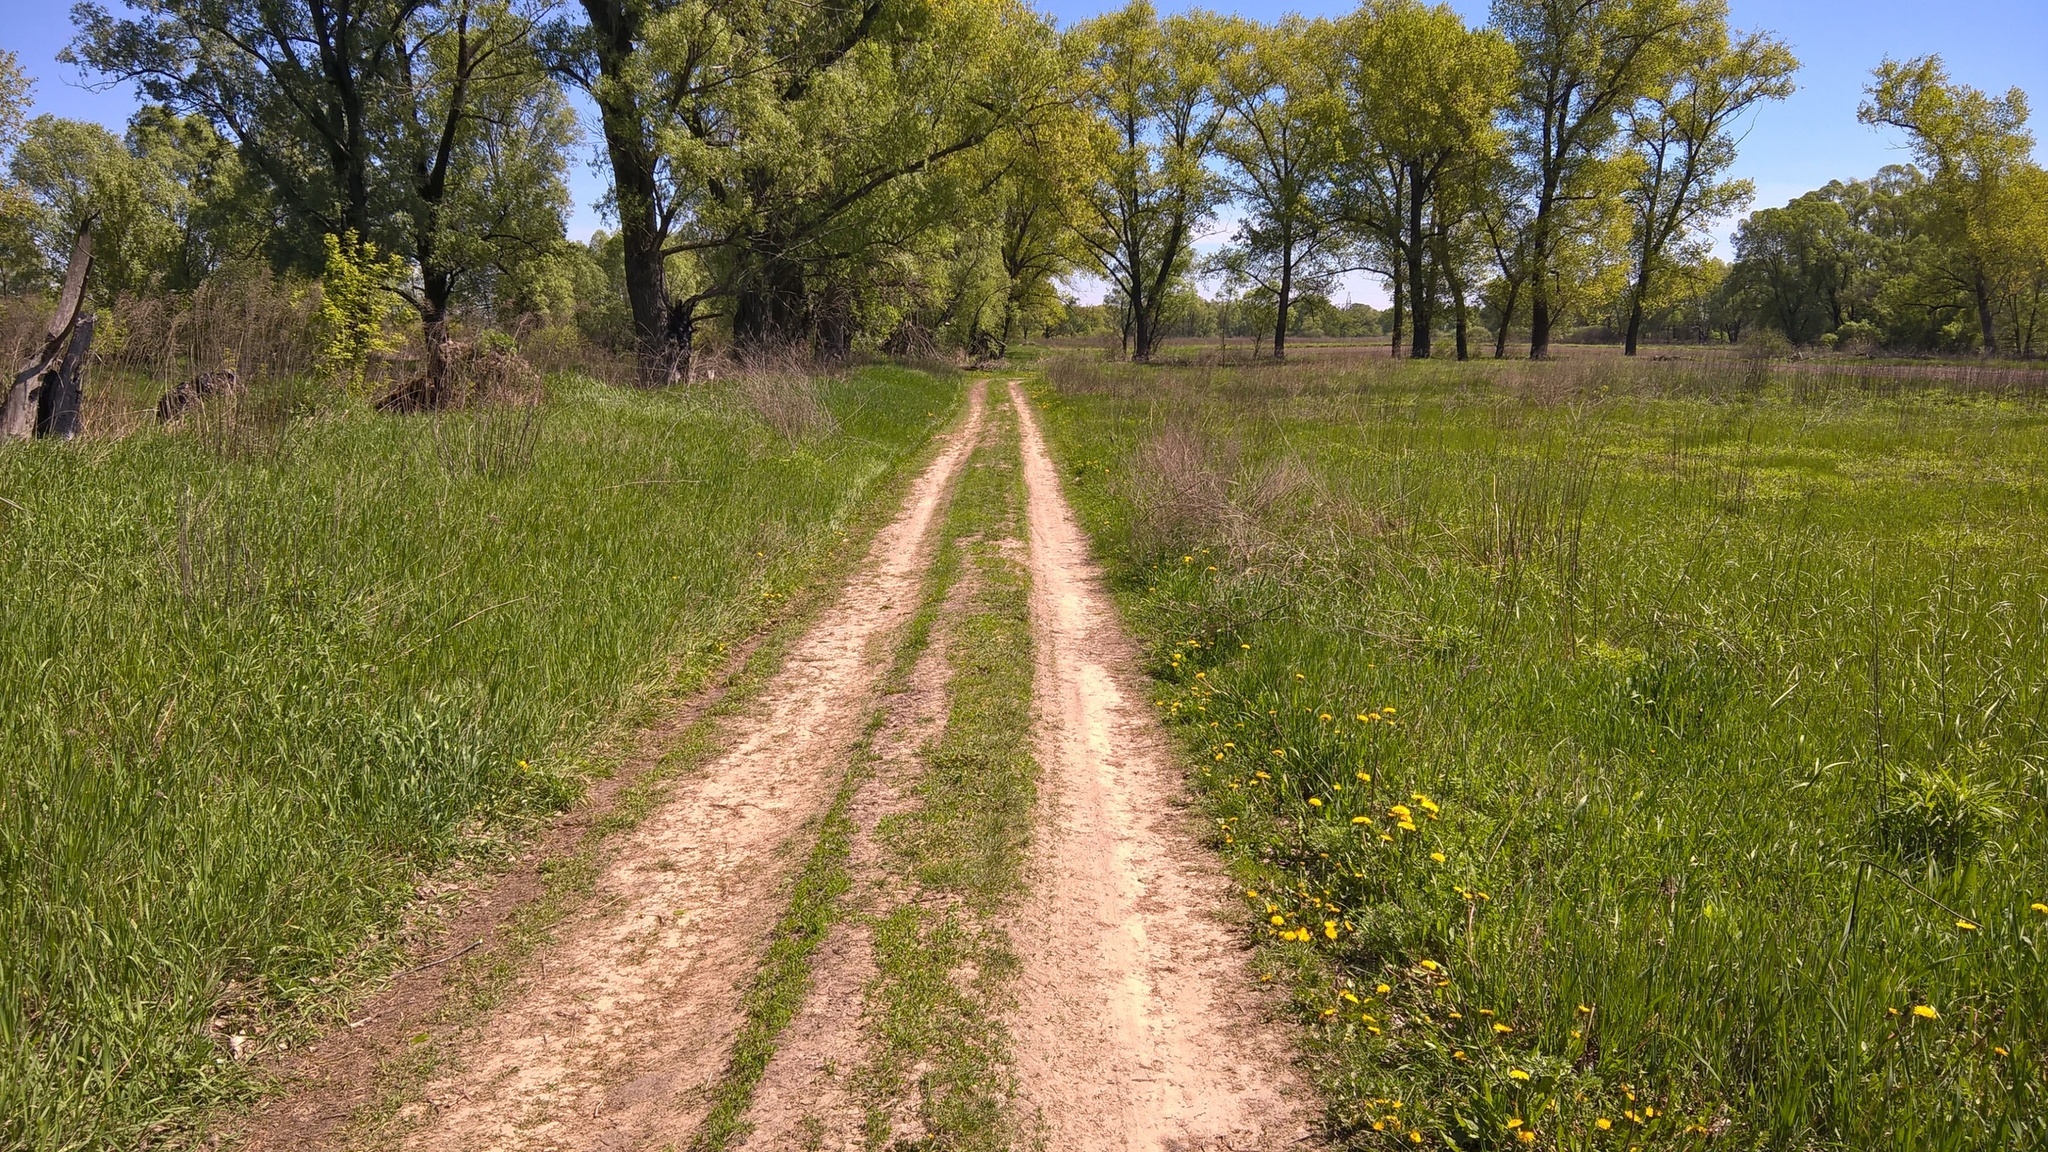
point(254, 687)
point(1620, 755)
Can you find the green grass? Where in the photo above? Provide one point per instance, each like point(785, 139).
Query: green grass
point(1608, 743)
point(943, 965)
point(252, 687)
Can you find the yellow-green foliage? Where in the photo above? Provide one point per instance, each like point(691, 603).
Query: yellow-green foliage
point(355, 303)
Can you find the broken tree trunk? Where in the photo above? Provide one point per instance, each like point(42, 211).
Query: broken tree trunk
point(57, 403)
point(18, 414)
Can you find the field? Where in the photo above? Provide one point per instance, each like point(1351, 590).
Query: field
point(1610, 756)
point(262, 675)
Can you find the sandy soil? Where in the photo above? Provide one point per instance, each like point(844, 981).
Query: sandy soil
point(807, 1099)
point(1139, 1026)
point(627, 1022)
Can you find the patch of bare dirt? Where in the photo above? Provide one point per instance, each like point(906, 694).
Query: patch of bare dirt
point(808, 1098)
point(624, 1025)
point(1139, 1025)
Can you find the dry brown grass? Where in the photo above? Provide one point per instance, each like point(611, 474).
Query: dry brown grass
point(780, 387)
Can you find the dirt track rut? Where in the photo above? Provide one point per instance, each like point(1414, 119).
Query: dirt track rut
point(1138, 1025)
point(629, 1019)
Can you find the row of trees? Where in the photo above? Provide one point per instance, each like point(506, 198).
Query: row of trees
point(1511, 168)
point(909, 173)
point(1950, 254)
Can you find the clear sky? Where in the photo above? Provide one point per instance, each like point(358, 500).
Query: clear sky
point(1790, 148)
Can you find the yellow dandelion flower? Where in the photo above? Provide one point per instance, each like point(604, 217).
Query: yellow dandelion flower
point(1406, 826)
point(1437, 856)
point(1926, 1012)
point(1361, 819)
point(1585, 1011)
point(1517, 1074)
point(1330, 929)
point(1999, 1050)
point(1502, 1029)
point(1315, 801)
point(1966, 926)
point(1382, 989)
point(1430, 964)
point(1526, 1136)
point(1460, 1055)
point(1324, 716)
point(2041, 908)
point(1414, 1137)
point(1401, 811)
point(1604, 1124)
point(1514, 1123)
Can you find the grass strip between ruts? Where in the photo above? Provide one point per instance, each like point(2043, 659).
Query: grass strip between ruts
point(784, 979)
point(965, 842)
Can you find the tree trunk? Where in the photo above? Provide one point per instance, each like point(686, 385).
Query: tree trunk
point(1507, 318)
point(1984, 320)
point(18, 412)
point(1286, 298)
point(1394, 350)
point(1539, 292)
point(641, 235)
point(57, 410)
point(1420, 291)
point(1637, 291)
point(1459, 315)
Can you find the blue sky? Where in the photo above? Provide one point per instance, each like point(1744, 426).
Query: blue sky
point(1790, 148)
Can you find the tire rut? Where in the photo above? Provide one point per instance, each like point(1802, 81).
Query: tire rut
point(1138, 1026)
point(627, 1022)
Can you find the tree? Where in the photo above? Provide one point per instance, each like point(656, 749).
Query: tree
point(17, 246)
point(1584, 64)
point(1970, 143)
point(1426, 94)
point(1789, 264)
point(1684, 144)
point(393, 121)
point(1281, 137)
point(1151, 85)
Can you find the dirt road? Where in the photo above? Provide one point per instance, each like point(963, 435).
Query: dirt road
point(618, 1038)
point(1138, 1026)
point(1134, 1023)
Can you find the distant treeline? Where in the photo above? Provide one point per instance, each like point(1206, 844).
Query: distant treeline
point(913, 175)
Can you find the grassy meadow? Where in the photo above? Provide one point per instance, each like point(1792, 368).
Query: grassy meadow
point(261, 674)
point(1612, 755)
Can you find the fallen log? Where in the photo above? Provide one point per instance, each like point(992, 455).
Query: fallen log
point(196, 391)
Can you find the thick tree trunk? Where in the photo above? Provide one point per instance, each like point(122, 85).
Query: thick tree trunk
point(18, 412)
point(1637, 292)
point(635, 188)
point(57, 410)
point(1539, 292)
point(1984, 316)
